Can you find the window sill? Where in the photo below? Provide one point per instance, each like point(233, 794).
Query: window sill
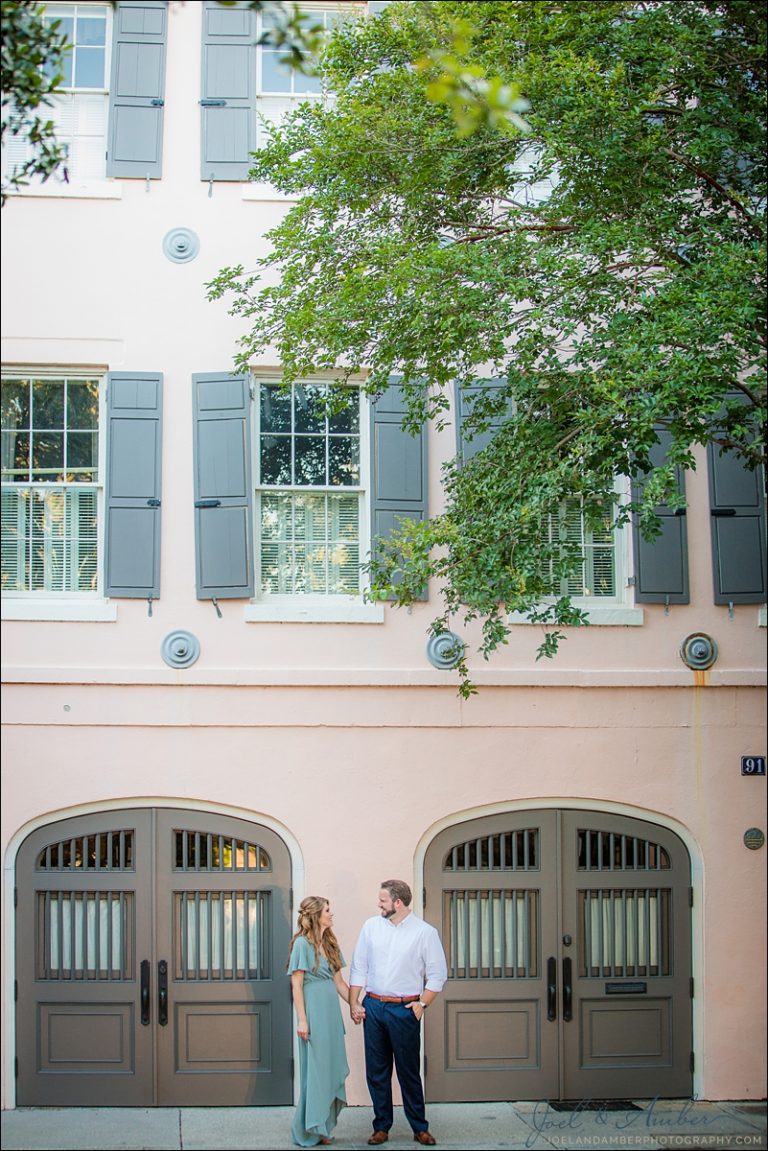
point(72, 611)
point(352, 612)
point(265, 193)
point(613, 616)
point(87, 190)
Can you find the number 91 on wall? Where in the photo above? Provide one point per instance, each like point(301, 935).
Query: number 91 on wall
point(753, 765)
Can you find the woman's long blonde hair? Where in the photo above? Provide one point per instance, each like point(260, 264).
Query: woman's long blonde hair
point(310, 910)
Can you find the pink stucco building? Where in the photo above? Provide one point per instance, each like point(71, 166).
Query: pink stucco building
point(204, 721)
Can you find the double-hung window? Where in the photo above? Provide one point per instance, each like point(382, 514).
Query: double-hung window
point(80, 108)
point(290, 487)
point(595, 574)
point(51, 484)
point(309, 490)
point(279, 87)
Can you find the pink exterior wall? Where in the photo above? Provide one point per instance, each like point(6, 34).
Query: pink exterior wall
point(343, 736)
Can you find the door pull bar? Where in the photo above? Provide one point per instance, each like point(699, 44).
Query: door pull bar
point(145, 992)
point(551, 989)
point(567, 990)
point(162, 992)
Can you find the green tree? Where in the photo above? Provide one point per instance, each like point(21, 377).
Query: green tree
point(607, 265)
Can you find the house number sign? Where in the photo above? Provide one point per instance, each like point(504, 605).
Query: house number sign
point(753, 765)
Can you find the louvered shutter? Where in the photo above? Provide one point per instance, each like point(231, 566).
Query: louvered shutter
point(661, 564)
point(737, 513)
point(468, 444)
point(133, 484)
point(228, 103)
point(137, 89)
point(398, 466)
point(223, 489)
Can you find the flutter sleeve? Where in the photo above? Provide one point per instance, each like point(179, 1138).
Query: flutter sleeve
point(302, 956)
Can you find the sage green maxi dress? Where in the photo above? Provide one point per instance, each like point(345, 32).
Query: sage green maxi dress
point(323, 1065)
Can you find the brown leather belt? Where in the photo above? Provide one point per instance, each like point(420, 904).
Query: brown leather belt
point(392, 998)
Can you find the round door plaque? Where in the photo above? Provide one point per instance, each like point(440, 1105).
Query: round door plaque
point(754, 838)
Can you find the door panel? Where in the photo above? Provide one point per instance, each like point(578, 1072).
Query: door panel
point(224, 926)
point(493, 878)
point(150, 962)
point(626, 905)
point(567, 935)
point(84, 921)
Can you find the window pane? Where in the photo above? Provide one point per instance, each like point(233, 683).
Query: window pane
point(275, 77)
point(303, 85)
point(310, 460)
point(15, 404)
point(82, 404)
point(346, 413)
point(275, 459)
point(48, 404)
point(92, 29)
point(48, 456)
point(16, 455)
point(49, 540)
point(275, 409)
point(309, 404)
point(89, 68)
point(82, 456)
point(344, 460)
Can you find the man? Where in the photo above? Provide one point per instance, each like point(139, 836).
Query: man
point(400, 964)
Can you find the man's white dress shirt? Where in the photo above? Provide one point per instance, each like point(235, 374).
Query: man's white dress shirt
point(397, 959)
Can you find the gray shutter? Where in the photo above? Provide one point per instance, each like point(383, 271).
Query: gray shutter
point(133, 484)
point(398, 466)
point(468, 445)
point(223, 489)
point(661, 564)
point(228, 104)
point(737, 513)
point(137, 89)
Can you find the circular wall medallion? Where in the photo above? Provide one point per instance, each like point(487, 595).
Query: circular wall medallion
point(754, 838)
point(445, 650)
point(698, 651)
point(181, 245)
point(180, 649)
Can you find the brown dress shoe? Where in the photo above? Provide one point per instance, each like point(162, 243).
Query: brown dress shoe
point(377, 1138)
point(424, 1138)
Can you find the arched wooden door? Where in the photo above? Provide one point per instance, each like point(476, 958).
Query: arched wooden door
point(150, 962)
point(569, 959)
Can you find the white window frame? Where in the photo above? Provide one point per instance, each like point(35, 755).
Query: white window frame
point(617, 610)
point(265, 191)
point(303, 608)
point(45, 604)
point(77, 186)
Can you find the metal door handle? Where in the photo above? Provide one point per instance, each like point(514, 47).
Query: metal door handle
point(145, 992)
point(567, 991)
point(551, 989)
point(162, 992)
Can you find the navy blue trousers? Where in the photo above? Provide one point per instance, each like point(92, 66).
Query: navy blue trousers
point(393, 1036)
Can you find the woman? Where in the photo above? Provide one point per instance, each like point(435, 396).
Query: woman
point(314, 965)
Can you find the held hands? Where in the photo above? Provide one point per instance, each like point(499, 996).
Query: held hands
point(358, 1013)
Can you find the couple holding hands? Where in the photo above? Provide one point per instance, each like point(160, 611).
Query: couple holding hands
point(399, 966)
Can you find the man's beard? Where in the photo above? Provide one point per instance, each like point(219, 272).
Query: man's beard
point(388, 914)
